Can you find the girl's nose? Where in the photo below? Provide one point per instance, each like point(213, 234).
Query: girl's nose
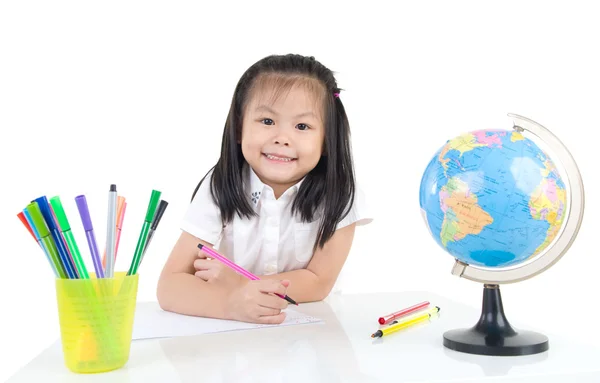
point(281, 137)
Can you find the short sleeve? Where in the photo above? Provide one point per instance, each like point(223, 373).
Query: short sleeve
point(359, 213)
point(202, 218)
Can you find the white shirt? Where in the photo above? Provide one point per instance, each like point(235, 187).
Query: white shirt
point(270, 243)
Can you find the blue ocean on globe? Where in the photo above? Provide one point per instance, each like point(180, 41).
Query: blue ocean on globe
point(492, 198)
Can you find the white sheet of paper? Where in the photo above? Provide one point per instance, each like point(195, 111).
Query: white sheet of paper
point(153, 322)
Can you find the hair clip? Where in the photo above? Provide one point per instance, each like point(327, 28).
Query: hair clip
point(336, 95)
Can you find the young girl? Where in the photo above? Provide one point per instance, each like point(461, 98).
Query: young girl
point(281, 201)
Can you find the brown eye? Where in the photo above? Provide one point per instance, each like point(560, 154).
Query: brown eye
point(302, 127)
point(267, 121)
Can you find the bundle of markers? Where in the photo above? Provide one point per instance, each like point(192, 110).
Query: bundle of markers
point(47, 223)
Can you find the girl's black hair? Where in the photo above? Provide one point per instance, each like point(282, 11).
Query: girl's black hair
point(328, 190)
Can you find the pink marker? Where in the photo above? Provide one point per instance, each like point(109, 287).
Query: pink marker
point(235, 267)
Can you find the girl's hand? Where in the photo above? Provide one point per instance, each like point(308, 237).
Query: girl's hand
point(213, 271)
point(256, 302)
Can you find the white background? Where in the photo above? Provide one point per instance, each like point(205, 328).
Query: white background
point(83, 84)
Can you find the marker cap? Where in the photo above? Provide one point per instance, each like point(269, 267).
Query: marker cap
point(86, 220)
point(162, 206)
point(121, 212)
point(63, 222)
point(45, 210)
point(38, 220)
point(154, 198)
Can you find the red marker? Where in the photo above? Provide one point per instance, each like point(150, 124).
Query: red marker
point(406, 311)
point(26, 224)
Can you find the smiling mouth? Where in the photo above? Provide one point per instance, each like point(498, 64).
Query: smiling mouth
point(279, 158)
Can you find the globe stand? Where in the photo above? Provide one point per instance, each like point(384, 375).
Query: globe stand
point(493, 335)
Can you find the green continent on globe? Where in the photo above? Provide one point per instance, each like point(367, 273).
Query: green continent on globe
point(463, 215)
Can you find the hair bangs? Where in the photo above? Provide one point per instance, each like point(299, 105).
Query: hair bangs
point(268, 88)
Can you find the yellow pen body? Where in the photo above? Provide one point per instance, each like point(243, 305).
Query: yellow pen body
point(412, 320)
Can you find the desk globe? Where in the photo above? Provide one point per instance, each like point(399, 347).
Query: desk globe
point(497, 203)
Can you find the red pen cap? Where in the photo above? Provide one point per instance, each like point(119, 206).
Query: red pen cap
point(403, 312)
point(26, 224)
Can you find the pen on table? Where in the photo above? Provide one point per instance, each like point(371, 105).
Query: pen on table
point(137, 256)
point(121, 204)
point(65, 228)
point(39, 225)
point(86, 220)
point(30, 226)
point(431, 311)
point(55, 235)
point(111, 228)
point(410, 321)
point(160, 210)
point(403, 312)
point(237, 268)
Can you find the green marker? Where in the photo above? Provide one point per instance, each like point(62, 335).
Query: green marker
point(38, 221)
point(63, 224)
point(139, 249)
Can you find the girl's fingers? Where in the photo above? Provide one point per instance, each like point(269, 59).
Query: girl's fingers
point(267, 311)
point(272, 301)
point(203, 274)
point(272, 319)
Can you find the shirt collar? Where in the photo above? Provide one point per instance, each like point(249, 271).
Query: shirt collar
point(258, 188)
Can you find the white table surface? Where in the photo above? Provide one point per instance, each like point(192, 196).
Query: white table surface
point(338, 350)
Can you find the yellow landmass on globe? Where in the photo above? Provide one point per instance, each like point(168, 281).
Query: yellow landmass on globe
point(516, 136)
point(462, 143)
point(463, 215)
point(547, 203)
point(550, 235)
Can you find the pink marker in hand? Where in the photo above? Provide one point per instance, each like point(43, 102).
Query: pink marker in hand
point(235, 267)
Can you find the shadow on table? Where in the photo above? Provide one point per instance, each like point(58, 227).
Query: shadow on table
point(318, 352)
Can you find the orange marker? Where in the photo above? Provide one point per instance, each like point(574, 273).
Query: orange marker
point(121, 205)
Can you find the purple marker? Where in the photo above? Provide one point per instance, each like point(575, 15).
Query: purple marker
point(84, 213)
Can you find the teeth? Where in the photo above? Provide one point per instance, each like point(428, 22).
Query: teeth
point(275, 158)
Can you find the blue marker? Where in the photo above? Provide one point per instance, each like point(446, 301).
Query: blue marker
point(62, 251)
point(37, 237)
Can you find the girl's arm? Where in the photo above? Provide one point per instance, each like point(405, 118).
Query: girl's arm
point(234, 298)
point(316, 281)
point(180, 291)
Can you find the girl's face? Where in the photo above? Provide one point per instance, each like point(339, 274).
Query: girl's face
point(283, 140)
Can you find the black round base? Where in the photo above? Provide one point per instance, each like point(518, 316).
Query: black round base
point(493, 334)
point(472, 341)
